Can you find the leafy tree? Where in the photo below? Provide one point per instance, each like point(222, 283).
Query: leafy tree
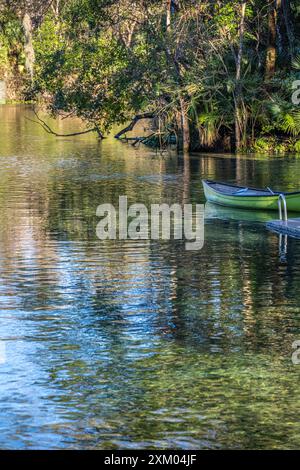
point(215, 74)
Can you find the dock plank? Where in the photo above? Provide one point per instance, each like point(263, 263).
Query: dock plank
point(290, 227)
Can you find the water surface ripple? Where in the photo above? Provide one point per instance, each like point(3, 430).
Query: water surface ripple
point(140, 344)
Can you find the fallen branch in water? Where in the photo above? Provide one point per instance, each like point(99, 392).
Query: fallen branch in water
point(48, 129)
point(130, 126)
point(139, 140)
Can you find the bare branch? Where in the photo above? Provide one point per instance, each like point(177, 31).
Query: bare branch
point(48, 129)
point(136, 118)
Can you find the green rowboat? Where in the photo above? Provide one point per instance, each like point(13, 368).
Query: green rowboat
point(248, 198)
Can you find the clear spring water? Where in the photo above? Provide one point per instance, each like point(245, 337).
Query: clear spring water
point(140, 344)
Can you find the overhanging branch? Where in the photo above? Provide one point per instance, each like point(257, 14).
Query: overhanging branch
point(136, 118)
point(48, 129)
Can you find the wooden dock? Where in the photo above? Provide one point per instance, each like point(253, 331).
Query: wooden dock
point(286, 227)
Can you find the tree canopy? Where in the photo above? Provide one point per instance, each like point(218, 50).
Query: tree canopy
point(215, 74)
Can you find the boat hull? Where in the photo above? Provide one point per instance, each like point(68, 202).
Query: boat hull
point(221, 212)
point(268, 202)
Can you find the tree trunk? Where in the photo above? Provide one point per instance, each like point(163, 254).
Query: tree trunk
point(286, 8)
point(55, 8)
point(169, 13)
point(28, 47)
point(185, 127)
point(271, 49)
point(184, 120)
point(238, 88)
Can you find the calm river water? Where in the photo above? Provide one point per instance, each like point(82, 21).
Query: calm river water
point(140, 344)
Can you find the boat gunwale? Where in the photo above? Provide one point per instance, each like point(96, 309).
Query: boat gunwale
point(276, 193)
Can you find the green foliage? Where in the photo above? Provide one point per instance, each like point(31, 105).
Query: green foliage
point(80, 76)
point(3, 60)
point(284, 116)
point(297, 146)
point(274, 145)
point(106, 60)
point(264, 145)
point(10, 42)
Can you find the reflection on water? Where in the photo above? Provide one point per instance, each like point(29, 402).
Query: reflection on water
point(131, 344)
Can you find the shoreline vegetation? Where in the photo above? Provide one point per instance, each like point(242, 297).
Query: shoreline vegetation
point(213, 76)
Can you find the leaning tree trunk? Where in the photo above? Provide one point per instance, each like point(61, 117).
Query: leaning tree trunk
point(28, 47)
point(238, 88)
point(271, 49)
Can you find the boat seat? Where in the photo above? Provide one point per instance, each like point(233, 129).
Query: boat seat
point(243, 190)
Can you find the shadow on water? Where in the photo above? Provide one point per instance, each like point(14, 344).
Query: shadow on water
point(124, 344)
